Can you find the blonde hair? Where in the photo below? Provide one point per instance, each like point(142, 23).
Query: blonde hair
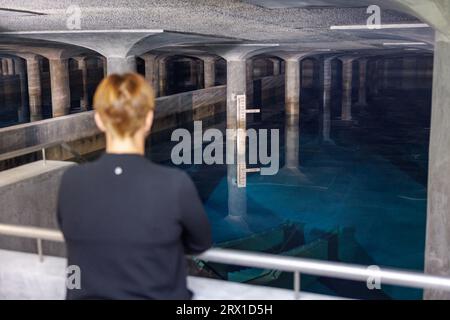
point(123, 102)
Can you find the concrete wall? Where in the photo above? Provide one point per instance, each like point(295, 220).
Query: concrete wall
point(28, 196)
point(70, 128)
point(84, 137)
point(177, 109)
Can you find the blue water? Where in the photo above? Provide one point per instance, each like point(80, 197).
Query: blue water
point(371, 182)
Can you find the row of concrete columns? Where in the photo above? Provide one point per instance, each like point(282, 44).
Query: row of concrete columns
point(14, 67)
point(203, 70)
point(28, 68)
point(239, 75)
point(293, 86)
point(401, 74)
point(155, 73)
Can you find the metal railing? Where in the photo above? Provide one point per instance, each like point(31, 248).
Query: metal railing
point(41, 148)
point(270, 261)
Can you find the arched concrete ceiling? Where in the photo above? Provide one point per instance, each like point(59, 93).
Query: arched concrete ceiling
point(48, 49)
point(133, 27)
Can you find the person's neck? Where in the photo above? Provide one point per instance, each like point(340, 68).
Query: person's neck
point(128, 145)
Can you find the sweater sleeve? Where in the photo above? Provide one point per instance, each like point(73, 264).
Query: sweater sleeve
point(61, 198)
point(196, 228)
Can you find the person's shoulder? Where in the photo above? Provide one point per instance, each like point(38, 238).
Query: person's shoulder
point(170, 174)
point(180, 184)
point(70, 171)
point(77, 171)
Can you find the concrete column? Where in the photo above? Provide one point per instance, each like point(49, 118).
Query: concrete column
point(193, 72)
point(200, 74)
point(430, 68)
point(4, 67)
point(209, 70)
point(162, 77)
point(23, 112)
point(2, 97)
point(249, 70)
point(292, 84)
point(292, 134)
point(120, 64)
point(378, 77)
point(362, 93)
point(347, 79)
point(10, 66)
point(371, 76)
point(276, 66)
point(249, 77)
point(326, 114)
point(386, 74)
point(437, 253)
point(9, 88)
point(103, 63)
point(236, 85)
point(424, 71)
point(307, 73)
point(34, 87)
point(59, 82)
point(292, 170)
point(84, 102)
point(409, 73)
point(151, 71)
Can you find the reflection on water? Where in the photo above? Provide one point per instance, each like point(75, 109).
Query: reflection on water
point(351, 192)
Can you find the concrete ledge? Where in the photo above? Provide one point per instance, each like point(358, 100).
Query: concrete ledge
point(71, 127)
point(30, 170)
point(81, 125)
point(28, 195)
point(23, 277)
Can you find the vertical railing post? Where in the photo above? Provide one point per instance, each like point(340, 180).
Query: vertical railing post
point(44, 156)
point(296, 285)
point(39, 249)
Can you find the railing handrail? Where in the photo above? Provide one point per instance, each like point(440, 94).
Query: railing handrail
point(27, 150)
point(270, 261)
point(326, 268)
point(31, 232)
point(41, 147)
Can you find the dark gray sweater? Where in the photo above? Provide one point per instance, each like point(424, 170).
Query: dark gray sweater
point(128, 224)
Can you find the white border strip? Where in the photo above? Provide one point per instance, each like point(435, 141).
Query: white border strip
point(85, 31)
point(405, 44)
point(382, 26)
